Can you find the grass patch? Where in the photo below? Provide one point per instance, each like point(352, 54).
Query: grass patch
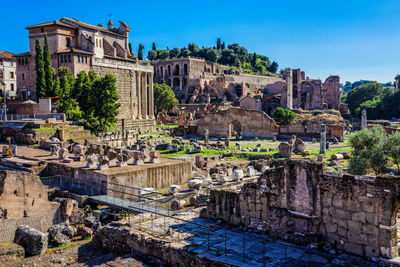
point(46, 130)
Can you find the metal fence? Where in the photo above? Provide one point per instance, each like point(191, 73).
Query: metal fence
point(31, 117)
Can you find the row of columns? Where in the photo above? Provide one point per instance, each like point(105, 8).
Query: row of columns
point(145, 95)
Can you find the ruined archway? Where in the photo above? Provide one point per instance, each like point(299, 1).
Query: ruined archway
point(176, 70)
point(185, 69)
point(176, 83)
point(235, 128)
point(239, 90)
point(161, 71)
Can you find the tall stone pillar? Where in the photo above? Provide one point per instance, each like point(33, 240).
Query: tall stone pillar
point(138, 95)
point(364, 121)
point(145, 102)
point(322, 149)
point(289, 90)
point(151, 94)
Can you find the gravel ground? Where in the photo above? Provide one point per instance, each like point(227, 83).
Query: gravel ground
point(86, 255)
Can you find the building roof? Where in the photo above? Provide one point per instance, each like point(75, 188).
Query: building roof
point(55, 22)
point(245, 96)
point(25, 54)
point(90, 26)
point(6, 55)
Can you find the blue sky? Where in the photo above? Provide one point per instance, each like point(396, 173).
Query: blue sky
point(352, 39)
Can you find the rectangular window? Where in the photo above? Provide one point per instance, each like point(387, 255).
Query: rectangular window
point(12, 87)
point(77, 58)
point(85, 59)
point(69, 58)
point(68, 42)
point(23, 76)
point(61, 59)
point(12, 75)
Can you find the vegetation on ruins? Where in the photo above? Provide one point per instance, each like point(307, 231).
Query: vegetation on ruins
point(284, 116)
point(164, 97)
point(233, 55)
point(372, 150)
point(39, 68)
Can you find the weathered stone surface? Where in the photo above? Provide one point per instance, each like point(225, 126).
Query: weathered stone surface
point(84, 232)
point(61, 233)
point(33, 241)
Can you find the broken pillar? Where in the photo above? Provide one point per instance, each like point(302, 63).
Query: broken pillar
point(322, 149)
point(364, 122)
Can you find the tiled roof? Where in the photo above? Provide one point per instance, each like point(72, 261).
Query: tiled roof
point(25, 54)
point(6, 55)
point(90, 26)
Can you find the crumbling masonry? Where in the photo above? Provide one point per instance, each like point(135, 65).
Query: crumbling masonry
point(357, 214)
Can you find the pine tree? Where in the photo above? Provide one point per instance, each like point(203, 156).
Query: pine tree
point(223, 46)
point(39, 67)
point(253, 60)
point(219, 43)
point(130, 48)
point(140, 52)
point(48, 71)
point(154, 46)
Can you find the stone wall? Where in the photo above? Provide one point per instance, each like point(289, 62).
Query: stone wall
point(23, 200)
point(156, 175)
point(249, 123)
point(124, 241)
point(357, 214)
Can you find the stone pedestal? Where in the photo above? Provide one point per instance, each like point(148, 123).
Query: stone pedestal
point(138, 162)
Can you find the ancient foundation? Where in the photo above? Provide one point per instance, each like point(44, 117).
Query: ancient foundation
point(357, 214)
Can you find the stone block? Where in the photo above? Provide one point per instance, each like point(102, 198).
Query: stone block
point(368, 206)
point(369, 229)
point(371, 218)
point(353, 248)
point(352, 205)
point(327, 202)
point(342, 232)
point(389, 252)
point(358, 217)
point(361, 239)
point(331, 227)
point(354, 227)
point(342, 214)
point(258, 207)
point(338, 203)
point(340, 222)
point(371, 251)
point(332, 238)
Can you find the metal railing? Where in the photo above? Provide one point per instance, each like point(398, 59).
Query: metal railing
point(156, 206)
point(31, 117)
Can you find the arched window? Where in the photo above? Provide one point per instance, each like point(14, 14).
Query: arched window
point(169, 70)
point(61, 59)
point(176, 70)
point(161, 71)
point(69, 58)
point(97, 42)
point(185, 69)
point(65, 59)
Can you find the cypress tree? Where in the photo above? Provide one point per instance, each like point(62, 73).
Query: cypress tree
point(253, 60)
point(40, 79)
point(219, 43)
point(223, 45)
point(154, 46)
point(140, 52)
point(48, 72)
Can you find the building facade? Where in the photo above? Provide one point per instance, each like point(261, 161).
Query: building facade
point(105, 50)
point(8, 74)
point(196, 80)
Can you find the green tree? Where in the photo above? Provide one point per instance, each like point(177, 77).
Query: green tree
point(254, 59)
point(152, 55)
point(184, 52)
point(174, 52)
point(48, 70)
point(284, 116)
point(392, 148)
point(153, 46)
point(164, 97)
point(105, 101)
point(140, 52)
point(368, 151)
point(39, 68)
point(67, 103)
point(162, 54)
point(219, 43)
point(223, 46)
point(193, 48)
point(362, 93)
point(274, 67)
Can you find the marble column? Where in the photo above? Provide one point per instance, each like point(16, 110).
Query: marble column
point(138, 95)
point(151, 96)
point(145, 92)
point(322, 148)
